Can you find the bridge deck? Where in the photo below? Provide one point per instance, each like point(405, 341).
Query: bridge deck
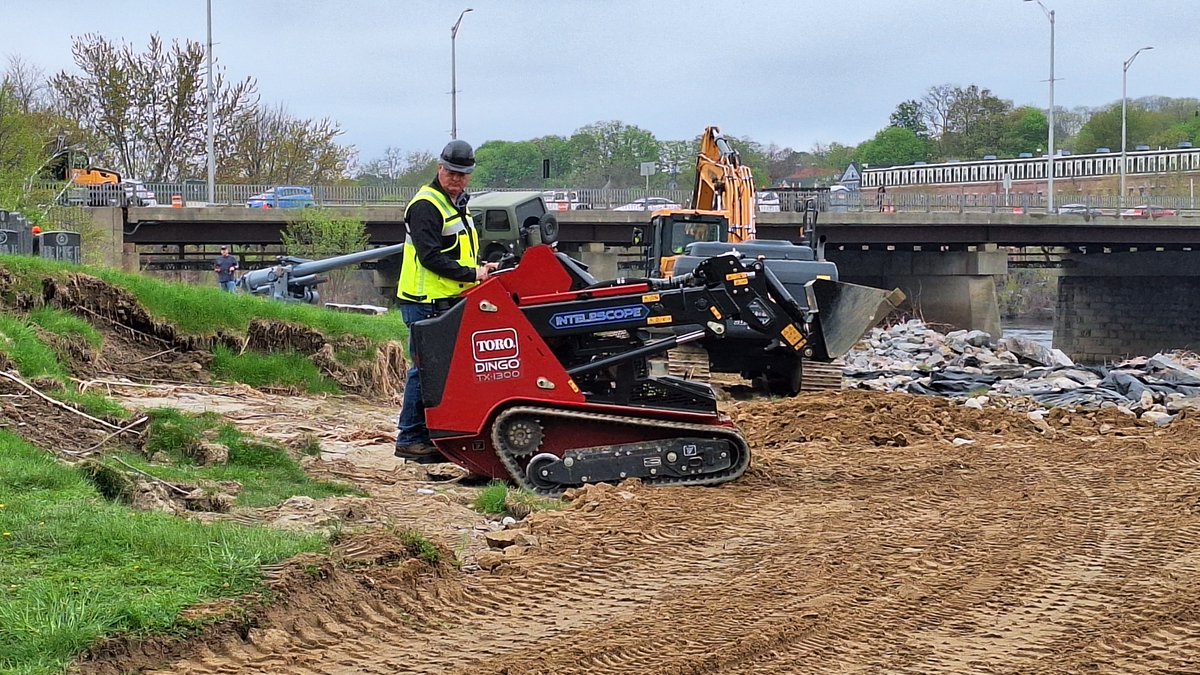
point(236, 225)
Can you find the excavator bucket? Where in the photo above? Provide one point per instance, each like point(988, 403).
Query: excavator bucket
point(844, 313)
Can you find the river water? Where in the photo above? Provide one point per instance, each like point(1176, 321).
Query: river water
point(1041, 332)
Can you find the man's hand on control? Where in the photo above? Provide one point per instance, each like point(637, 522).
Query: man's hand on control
point(485, 270)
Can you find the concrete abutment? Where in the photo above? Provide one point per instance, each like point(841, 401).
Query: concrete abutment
point(956, 288)
point(1117, 305)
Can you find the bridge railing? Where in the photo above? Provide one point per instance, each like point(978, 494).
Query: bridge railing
point(229, 194)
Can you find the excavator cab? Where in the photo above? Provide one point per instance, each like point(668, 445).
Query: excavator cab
point(672, 231)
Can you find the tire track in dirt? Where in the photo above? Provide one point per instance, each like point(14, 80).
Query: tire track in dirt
point(1014, 554)
point(550, 589)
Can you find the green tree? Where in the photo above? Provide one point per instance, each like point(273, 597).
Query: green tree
point(318, 234)
point(1103, 130)
point(753, 155)
point(1188, 130)
point(562, 160)
point(835, 157)
point(908, 115)
point(22, 150)
point(892, 146)
point(609, 154)
point(1149, 127)
point(975, 123)
point(1025, 130)
point(507, 164)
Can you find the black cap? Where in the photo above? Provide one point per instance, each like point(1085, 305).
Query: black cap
point(458, 156)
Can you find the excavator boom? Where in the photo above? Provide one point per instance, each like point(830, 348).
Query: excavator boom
point(725, 185)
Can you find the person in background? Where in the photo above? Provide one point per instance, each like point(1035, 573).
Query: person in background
point(225, 265)
point(693, 232)
point(441, 251)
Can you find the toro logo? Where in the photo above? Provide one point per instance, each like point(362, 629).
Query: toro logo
point(496, 353)
point(492, 345)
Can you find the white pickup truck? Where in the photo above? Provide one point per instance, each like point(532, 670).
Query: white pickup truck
point(564, 200)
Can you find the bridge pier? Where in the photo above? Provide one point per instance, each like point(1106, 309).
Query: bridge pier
point(1116, 305)
point(949, 287)
point(106, 245)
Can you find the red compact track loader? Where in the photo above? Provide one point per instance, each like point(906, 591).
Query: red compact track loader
point(540, 374)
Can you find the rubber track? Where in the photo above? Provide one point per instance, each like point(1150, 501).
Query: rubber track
point(737, 468)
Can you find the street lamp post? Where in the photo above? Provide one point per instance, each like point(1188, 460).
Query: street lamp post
point(1124, 98)
point(1050, 153)
point(209, 144)
point(453, 77)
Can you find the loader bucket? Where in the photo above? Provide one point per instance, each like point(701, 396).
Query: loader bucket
point(845, 312)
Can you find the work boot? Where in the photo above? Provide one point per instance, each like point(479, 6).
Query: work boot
point(419, 453)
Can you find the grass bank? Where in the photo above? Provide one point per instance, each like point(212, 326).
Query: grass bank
point(205, 310)
point(76, 567)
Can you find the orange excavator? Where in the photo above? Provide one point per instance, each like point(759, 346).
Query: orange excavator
point(86, 184)
point(723, 205)
point(722, 221)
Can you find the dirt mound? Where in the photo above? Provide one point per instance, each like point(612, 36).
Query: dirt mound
point(59, 428)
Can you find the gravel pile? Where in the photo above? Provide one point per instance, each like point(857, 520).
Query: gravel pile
point(1017, 372)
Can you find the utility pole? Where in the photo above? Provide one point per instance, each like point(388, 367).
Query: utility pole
point(454, 77)
point(1050, 153)
point(212, 156)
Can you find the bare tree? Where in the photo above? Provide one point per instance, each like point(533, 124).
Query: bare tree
point(271, 146)
point(26, 84)
point(147, 112)
point(1067, 123)
point(390, 166)
point(935, 108)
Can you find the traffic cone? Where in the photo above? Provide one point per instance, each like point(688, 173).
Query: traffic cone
point(177, 201)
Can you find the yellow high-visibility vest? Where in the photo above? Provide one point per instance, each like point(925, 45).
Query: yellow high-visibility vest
point(418, 284)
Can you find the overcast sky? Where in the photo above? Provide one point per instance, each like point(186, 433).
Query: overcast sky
point(789, 72)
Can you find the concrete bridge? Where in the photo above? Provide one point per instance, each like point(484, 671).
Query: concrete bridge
point(1125, 287)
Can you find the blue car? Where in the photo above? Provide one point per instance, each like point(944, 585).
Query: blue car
point(283, 198)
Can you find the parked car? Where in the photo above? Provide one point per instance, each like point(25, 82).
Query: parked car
point(649, 204)
point(1147, 211)
point(137, 194)
point(283, 197)
point(1079, 210)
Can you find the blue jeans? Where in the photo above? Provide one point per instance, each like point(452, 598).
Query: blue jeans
point(411, 424)
point(228, 285)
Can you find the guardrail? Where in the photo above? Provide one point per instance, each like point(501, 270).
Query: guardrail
point(194, 193)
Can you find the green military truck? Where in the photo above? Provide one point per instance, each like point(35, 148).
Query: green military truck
point(507, 220)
